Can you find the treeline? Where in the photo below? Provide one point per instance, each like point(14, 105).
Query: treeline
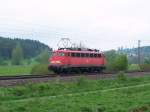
point(120, 61)
point(29, 48)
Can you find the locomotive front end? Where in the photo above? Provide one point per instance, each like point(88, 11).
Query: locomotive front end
point(57, 61)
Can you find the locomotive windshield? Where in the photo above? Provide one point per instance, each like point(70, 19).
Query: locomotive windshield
point(61, 54)
point(58, 54)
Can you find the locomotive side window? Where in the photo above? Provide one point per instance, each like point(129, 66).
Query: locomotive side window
point(91, 55)
point(78, 54)
point(73, 54)
point(99, 55)
point(82, 55)
point(95, 55)
point(87, 54)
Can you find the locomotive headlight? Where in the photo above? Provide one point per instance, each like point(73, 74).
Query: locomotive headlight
point(58, 62)
point(55, 62)
point(52, 61)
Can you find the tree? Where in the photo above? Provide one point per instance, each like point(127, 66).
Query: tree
point(147, 61)
point(120, 63)
point(110, 57)
point(43, 57)
point(2, 61)
point(116, 61)
point(17, 55)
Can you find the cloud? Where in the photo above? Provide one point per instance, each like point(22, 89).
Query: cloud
point(103, 24)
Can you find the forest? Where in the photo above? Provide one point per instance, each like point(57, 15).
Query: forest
point(21, 51)
point(30, 48)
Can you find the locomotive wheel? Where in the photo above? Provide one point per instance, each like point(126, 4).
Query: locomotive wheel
point(79, 70)
point(99, 70)
point(91, 70)
point(57, 72)
point(66, 70)
point(69, 70)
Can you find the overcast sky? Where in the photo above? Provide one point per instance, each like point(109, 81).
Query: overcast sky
point(102, 24)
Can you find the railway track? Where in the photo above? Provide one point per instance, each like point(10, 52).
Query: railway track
point(61, 75)
point(24, 79)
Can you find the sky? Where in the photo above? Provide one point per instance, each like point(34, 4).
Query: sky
point(101, 24)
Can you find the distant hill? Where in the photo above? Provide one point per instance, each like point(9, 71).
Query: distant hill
point(133, 51)
point(31, 48)
point(133, 54)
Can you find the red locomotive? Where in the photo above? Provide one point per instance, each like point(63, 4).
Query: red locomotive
point(65, 60)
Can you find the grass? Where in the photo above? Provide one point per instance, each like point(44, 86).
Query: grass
point(24, 70)
point(110, 101)
point(38, 69)
point(81, 95)
point(14, 70)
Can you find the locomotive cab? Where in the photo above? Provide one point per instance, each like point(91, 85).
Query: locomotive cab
point(58, 61)
point(57, 58)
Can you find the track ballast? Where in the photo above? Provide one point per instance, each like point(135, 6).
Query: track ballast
point(25, 79)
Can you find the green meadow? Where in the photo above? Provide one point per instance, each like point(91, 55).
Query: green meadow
point(80, 95)
point(14, 70)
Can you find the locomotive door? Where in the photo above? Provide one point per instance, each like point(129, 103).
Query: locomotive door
point(68, 59)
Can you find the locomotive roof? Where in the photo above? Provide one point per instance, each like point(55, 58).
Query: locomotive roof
point(76, 51)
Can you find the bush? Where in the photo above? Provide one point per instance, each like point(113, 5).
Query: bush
point(145, 67)
point(121, 76)
point(134, 67)
point(40, 69)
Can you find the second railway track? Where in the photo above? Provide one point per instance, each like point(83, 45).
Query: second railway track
point(25, 77)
